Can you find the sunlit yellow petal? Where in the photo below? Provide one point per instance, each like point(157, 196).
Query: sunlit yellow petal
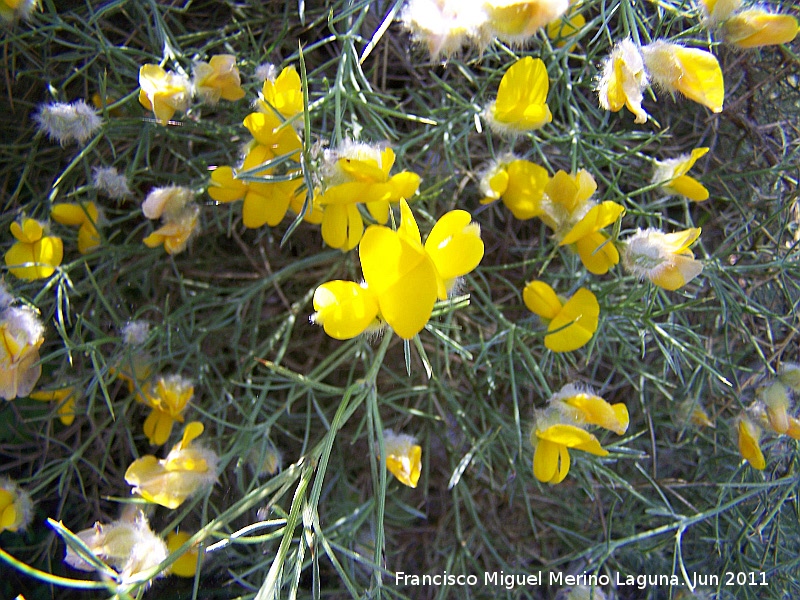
point(344, 308)
point(524, 188)
point(521, 96)
point(406, 467)
point(546, 460)
point(455, 246)
point(342, 226)
point(186, 564)
point(596, 411)
point(402, 276)
point(597, 218)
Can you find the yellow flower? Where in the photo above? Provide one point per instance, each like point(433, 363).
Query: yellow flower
point(516, 20)
point(168, 397)
point(265, 202)
point(521, 103)
point(584, 407)
point(284, 94)
point(571, 324)
point(218, 78)
point(163, 92)
point(84, 215)
point(403, 457)
point(756, 27)
point(671, 174)
point(16, 508)
point(168, 201)
point(21, 335)
point(128, 545)
point(65, 397)
point(561, 30)
point(551, 459)
point(750, 443)
point(265, 459)
point(183, 472)
point(597, 253)
point(34, 255)
point(664, 258)
point(186, 564)
point(313, 214)
point(403, 277)
point(520, 184)
point(566, 199)
point(623, 80)
point(693, 72)
point(360, 175)
point(777, 403)
point(407, 277)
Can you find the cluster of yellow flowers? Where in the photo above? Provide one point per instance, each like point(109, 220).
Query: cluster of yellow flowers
point(165, 92)
point(269, 179)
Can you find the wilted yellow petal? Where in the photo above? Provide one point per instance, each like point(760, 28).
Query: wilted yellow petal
point(749, 445)
point(756, 27)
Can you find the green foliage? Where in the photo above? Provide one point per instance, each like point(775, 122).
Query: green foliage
point(232, 313)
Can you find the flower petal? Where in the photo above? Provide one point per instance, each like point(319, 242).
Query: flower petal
point(344, 308)
point(575, 323)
